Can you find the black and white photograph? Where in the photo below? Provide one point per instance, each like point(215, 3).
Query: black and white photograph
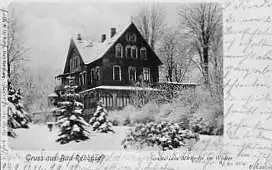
point(122, 76)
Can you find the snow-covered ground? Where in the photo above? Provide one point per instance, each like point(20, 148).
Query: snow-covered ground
point(38, 137)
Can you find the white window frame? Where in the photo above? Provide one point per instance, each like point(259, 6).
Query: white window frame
point(133, 38)
point(80, 82)
point(136, 54)
point(120, 72)
point(128, 37)
point(116, 50)
point(146, 69)
point(92, 75)
point(98, 73)
point(128, 47)
point(82, 77)
point(129, 69)
point(143, 49)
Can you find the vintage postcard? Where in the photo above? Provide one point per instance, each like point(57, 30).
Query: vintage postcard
point(136, 85)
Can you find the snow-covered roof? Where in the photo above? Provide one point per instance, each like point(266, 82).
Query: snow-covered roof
point(91, 51)
point(129, 88)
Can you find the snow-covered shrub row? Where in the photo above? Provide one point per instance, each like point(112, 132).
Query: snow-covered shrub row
point(164, 135)
point(123, 117)
point(202, 126)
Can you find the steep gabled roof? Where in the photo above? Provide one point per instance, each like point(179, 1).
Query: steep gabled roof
point(92, 51)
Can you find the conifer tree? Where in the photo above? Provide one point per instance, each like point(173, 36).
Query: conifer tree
point(99, 120)
point(17, 116)
point(69, 115)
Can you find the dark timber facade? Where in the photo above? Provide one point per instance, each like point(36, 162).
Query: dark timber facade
point(109, 70)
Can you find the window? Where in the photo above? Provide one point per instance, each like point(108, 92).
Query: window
point(127, 37)
point(146, 73)
point(118, 50)
point(92, 75)
point(143, 52)
point(132, 73)
point(116, 73)
point(133, 38)
point(84, 76)
point(98, 77)
point(134, 52)
point(80, 82)
point(128, 51)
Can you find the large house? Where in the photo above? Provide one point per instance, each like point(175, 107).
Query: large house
point(110, 69)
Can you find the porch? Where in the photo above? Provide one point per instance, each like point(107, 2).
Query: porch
point(116, 97)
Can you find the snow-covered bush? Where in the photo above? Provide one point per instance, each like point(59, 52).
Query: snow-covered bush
point(164, 135)
point(17, 116)
point(123, 117)
point(69, 114)
point(146, 114)
point(207, 126)
point(99, 120)
point(208, 116)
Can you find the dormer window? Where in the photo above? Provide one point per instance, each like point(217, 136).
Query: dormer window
point(134, 52)
point(118, 50)
point(128, 51)
point(133, 38)
point(128, 37)
point(143, 53)
point(132, 73)
point(74, 63)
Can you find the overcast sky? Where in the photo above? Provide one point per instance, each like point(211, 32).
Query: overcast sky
point(46, 28)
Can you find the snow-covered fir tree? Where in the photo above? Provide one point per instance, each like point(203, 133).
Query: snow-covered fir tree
point(17, 116)
point(99, 120)
point(69, 115)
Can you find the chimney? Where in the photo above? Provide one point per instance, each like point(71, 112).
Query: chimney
point(103, 37)
point(79, 37)
point(112, 32)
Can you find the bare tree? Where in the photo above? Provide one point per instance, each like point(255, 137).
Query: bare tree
point(175, 56)
point(201, 23)
point(37, 84)
point(216, 71)
point(150, 22)
point(168, 54)
point(16, 52)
